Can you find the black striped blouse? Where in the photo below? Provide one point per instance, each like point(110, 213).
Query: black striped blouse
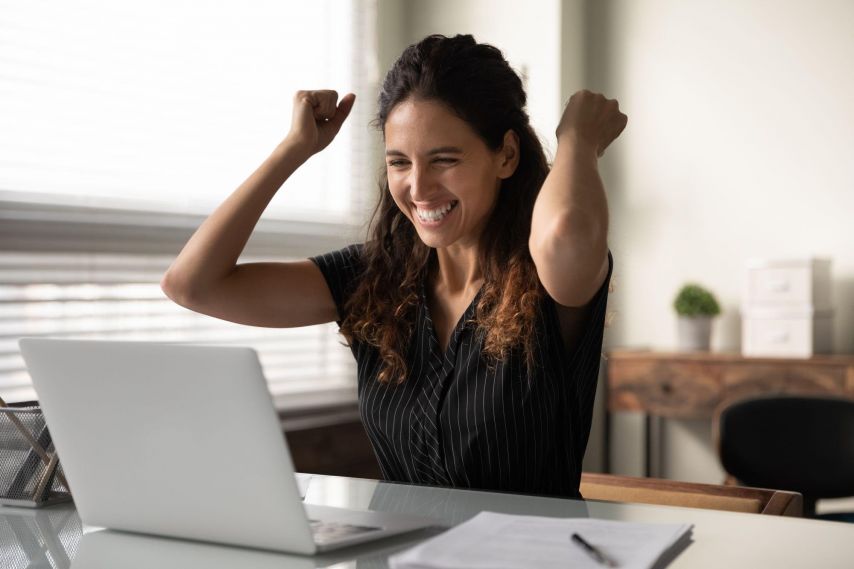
point(454, 422)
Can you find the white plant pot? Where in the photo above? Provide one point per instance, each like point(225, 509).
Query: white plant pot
point(695, 333)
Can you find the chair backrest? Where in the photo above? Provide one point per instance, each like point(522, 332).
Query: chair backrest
point(614, 488)
point(799, 443)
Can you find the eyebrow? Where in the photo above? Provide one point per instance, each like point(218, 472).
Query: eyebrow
point(439, 150)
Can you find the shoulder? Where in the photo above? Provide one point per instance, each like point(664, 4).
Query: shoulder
point(345, 262)
point(349, 254)
point(341, 270)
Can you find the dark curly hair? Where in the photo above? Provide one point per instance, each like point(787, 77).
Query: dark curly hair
point(476, 83)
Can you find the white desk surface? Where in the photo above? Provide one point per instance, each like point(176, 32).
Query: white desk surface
point(54, 536)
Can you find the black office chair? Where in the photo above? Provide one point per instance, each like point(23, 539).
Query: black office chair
point(799, 443)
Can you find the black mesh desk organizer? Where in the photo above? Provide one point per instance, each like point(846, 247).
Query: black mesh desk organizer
point(30, 473)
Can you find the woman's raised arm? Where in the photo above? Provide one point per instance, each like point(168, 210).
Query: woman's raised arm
point(569, 228)
point(206, 278)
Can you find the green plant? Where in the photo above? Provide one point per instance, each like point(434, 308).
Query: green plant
point(694, 300)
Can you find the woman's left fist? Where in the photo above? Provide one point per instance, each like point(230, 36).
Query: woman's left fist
point(591, 119)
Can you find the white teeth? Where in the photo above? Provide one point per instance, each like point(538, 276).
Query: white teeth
point(435, 214)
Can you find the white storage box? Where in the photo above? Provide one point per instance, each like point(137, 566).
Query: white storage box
point(788, 283)
point(786, 332)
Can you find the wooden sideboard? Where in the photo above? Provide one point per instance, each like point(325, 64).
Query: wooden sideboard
point(692, 385)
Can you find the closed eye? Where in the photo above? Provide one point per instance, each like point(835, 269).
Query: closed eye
point(401, 163)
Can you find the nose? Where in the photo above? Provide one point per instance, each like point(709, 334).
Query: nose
point(420, 183)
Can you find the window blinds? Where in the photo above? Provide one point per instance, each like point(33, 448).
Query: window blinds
point(106, 296)
point(123, 124)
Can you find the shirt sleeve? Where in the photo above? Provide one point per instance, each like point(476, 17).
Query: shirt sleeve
point(590, 342)
point(342, 270)
point(586, 360)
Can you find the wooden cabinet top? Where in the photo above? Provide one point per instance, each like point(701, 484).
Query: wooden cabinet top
point(639, 354)
point(692, 385)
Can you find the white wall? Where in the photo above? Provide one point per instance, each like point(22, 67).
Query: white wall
point(739, 144)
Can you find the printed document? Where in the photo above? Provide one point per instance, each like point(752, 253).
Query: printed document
point(491, 540)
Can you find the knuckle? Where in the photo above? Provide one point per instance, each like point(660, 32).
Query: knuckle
point(305, 96)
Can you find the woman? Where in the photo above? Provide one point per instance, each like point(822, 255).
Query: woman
point(475, 309)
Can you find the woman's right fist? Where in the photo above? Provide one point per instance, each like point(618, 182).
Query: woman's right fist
point(591, 119)
point(317, 118)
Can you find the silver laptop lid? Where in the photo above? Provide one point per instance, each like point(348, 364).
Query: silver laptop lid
point(169, 439)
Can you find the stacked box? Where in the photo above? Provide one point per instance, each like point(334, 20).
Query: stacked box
point(786, 308)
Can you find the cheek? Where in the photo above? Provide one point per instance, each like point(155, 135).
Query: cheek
point(399, 195)
point(475, 187)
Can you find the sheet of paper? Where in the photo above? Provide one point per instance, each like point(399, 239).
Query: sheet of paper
point(491, 540)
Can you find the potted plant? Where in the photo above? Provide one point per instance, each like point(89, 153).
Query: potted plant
point(695, 307)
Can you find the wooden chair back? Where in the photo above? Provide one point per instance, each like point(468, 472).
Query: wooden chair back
point(614, 488)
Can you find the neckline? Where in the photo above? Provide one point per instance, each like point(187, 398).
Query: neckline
point(453, 339)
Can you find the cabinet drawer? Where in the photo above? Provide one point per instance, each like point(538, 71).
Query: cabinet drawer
point(747, 380)
point(669, 389)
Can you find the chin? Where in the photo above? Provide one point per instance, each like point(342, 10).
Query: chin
point(433, 241)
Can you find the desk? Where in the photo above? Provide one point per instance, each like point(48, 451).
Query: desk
point(721, 539)
point(693, 385)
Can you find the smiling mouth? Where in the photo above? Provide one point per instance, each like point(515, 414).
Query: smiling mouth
point(437, 214)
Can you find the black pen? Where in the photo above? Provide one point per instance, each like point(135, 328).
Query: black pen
point(594, 552)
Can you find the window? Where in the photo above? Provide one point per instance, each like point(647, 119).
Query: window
point(123, 125)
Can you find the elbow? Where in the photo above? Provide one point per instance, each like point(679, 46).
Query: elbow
point(178, 290)
point(570, 257)
point(169, 287)
point(574, 237)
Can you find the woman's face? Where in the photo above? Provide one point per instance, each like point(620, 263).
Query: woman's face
point(441, 174)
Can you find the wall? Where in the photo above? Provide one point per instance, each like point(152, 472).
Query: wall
point(739, 144)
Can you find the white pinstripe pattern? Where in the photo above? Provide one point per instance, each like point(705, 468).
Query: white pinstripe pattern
point(454, 422)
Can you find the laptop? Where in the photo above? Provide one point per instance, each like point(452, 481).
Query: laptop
point(183, 441)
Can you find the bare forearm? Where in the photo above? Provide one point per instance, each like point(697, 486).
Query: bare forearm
point(212, 252)
point(569, 228)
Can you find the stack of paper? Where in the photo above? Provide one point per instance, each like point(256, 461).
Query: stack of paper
point(492, 540)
